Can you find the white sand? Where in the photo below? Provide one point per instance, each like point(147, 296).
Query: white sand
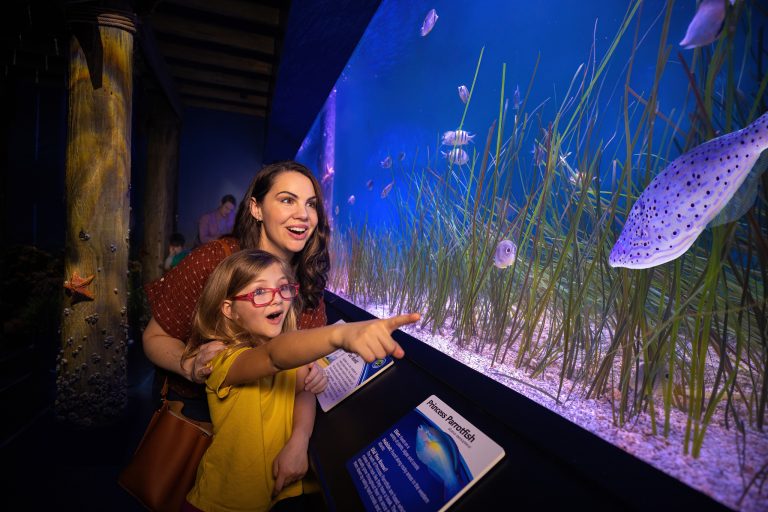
point(728, 461)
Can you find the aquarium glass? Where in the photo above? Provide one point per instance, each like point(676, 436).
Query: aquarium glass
point(538, 181)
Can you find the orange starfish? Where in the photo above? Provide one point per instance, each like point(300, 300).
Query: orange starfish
point(79, 285)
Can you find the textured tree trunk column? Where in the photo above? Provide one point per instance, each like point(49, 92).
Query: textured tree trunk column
point(91, 369)
point(160, 191)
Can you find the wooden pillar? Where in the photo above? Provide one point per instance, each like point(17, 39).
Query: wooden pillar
point(91, 368)
point(160, 191)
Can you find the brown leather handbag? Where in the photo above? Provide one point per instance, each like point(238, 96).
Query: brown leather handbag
point(164, 466)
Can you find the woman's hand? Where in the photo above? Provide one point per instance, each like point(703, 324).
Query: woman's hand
point(316, 380)
point(199, 369)
point(291, 464)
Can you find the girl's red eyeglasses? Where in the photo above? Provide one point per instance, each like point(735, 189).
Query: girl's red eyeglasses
point(261, 297)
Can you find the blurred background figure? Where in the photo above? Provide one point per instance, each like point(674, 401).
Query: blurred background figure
point(176, 251)
point(219, 222)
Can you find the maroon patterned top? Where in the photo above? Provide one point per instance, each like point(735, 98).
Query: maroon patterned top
point(172, 299)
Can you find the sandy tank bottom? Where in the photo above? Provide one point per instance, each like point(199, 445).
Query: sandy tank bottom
point(728, 462)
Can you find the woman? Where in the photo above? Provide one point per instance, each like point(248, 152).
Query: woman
point(282, 213)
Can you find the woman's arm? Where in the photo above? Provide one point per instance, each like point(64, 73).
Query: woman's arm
point(165, 351)
point(371, 339)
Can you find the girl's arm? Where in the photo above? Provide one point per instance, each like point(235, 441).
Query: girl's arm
point(165, 351)
point(292, 463)
point(371, 339)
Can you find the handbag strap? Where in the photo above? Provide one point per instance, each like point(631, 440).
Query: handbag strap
point(164, 389)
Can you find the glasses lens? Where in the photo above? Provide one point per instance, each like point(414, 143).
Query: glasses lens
point(262, 296)
point(288, 291)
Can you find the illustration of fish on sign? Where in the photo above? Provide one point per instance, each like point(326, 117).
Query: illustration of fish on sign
point(712, 184)
point(439, 454)
point(429, 23)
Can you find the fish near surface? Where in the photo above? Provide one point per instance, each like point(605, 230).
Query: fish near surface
point(689, 194)
point(386, 190)
point(429, 23)
point(505, 255)
point(516, 101)
point(457, 156)
point(457, 138)
point(705, 25)
point(463, 93)
point(437, 452)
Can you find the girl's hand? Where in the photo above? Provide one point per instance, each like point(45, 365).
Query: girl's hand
point(372, 339)
point(290, 465)
point(316, 380)
point(201, 368)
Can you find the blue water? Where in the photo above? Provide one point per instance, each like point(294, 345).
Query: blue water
point(398, 93)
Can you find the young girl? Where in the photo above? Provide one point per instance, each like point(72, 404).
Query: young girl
point(258, 456)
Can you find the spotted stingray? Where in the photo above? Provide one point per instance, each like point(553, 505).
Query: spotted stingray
point(691, 193)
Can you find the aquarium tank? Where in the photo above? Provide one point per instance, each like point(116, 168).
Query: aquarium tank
point(573, 196)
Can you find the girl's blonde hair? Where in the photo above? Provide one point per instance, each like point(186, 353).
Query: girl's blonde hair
point(229, 278)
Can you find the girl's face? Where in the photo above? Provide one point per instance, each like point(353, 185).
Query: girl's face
point(288, 214)
point(265, 321)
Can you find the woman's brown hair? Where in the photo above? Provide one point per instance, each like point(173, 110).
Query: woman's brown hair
point(311, 265)
point(229, 278)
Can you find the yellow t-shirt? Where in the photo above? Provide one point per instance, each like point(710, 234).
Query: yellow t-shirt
point(251, 424)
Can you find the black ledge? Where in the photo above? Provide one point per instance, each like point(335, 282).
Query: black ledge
point(550, 462)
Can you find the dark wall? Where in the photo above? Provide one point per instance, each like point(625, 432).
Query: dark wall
point(319, 39)
point(220, 153)
point(33, 175)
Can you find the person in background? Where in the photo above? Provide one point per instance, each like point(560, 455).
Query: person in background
point(176, 251)
point(259, 450)
point(219, 222)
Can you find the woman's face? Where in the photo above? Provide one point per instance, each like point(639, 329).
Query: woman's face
point(288, 214)
point(265, 321)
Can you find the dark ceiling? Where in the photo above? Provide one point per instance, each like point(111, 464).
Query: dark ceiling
point(271, 59)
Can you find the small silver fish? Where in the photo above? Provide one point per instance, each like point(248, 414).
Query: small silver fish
point(429, 23)
point(387, 162)
point(457, 138)
point(577, 178)
point(516, 98)
point(706, 24)
point(463, 93)
point(688, 194)
point(369, 184)
point(457, 156)
point(505, 255)
point(351, 200)
point(386, 190)
point(401, 156)
point(336, 210)
point(328, 176)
